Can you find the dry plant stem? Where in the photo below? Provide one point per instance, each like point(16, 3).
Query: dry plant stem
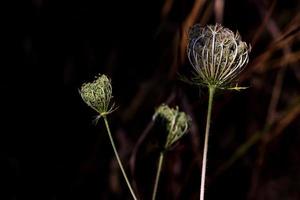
point(211, 90)
point(118, 158)
point(159, 165)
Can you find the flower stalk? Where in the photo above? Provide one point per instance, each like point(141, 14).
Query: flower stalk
point(118, 158)
point(159, 166)
point(211, 90)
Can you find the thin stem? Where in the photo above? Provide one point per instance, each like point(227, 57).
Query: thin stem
point(210, 102)
point(118, 158)
point(159, 165)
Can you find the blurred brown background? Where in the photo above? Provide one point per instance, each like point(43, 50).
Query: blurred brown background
point(51, 149)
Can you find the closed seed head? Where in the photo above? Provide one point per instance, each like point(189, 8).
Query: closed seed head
point(216, 54)
point(177, 123)
point(98, 94)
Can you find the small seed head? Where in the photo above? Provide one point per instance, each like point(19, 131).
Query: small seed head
point(216, 54)
point(98, 95)
point(177, 123)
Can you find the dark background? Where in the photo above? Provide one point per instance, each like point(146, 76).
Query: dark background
point(50, 149)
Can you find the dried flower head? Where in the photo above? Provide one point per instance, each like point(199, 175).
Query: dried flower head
point(177, 123)
point(216, 54)
point(98, 94)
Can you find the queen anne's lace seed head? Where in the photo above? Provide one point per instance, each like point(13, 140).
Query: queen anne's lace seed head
point(98, 94)
point(177, 123)
point(216, 54)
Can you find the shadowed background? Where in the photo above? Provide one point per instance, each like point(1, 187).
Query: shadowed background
point(51, 149)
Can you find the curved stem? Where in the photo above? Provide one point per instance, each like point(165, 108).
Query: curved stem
point(210, 101)
point(160, 161)
point(118, 158)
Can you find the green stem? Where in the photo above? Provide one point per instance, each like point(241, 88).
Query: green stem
point(118, 158)
point(160, 161)
point(204, 160)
